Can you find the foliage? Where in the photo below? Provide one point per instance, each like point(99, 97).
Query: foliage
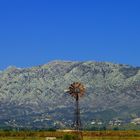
point(67, 137)
point(72, 137)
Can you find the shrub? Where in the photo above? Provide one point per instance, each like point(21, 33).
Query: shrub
point(72, 137)
point(67, 137)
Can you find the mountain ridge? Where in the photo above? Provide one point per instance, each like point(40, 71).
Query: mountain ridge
point(69, 61)
point(29, 96)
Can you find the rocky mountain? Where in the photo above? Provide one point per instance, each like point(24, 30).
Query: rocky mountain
point(35, 98)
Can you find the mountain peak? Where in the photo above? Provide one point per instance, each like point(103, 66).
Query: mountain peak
point(37, 93)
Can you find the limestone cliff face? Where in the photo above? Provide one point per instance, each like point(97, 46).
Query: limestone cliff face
point(34, 97)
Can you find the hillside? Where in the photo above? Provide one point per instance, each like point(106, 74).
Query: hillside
point(35, 98)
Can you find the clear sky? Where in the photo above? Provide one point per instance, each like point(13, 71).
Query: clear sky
point(34, 32)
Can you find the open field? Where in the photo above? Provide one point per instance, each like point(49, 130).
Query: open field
point(21, 138)
point(88, 135)
point(130, 133)
point(85, 138)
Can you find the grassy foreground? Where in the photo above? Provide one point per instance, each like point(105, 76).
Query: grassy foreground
point(85, 138)
point(62, 133)
point(88, 135)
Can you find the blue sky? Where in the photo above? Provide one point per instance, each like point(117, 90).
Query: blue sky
point(34, 32)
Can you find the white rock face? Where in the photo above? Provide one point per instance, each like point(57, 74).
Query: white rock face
point(38, 93)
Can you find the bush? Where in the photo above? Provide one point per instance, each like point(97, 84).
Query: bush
point(72, 137)
point(67, 137)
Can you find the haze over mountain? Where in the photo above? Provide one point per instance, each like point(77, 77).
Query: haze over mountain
point(35, 98)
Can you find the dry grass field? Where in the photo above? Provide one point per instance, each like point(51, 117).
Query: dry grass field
point(96, 135)
point(85, 138)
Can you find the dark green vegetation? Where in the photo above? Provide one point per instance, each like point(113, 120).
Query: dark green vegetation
point(70, 137)
point(34, 98)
